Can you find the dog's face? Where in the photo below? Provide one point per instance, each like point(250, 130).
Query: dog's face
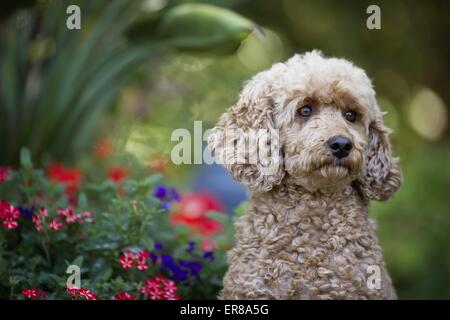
point(328, 129)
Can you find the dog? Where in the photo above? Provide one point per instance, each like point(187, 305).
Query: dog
point(306, 233)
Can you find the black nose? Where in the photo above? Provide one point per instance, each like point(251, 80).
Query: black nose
point(340, 146)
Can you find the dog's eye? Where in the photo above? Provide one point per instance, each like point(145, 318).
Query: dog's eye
point(350, 115)
point(305, 111)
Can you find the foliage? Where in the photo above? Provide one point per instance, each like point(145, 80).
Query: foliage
point(120, 239)
point(56, 83)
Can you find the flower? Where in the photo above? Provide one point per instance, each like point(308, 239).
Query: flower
point(4, 174)
point(130, 258)
point(208, 244)
point(192, 213)
point(9, 215)
point(43, 212)
point(160, 288)
point(126, 262)
point(194, 267)
point(191, 246)
point(103, 148)
point(68, 214)
point(37, 222)
point(32, 293)
point(81, 292)
point(177, 271)
point(71, 177)
point(55, 224)
point(166, 195)
point(117, 174)
point(209, 255)
point(26, 212)
point(124, 296)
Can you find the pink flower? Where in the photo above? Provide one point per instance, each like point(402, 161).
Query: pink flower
point(138, 259)
point(81, 292)
point(9, 215)
point(208, 244)
point(55, 224)
point(43, 212)
point(141, 264)
point(37, 222)
point(4, 174)
point(84, 217)
point(160, 288)
point(126, 262)
point(124, 296)
point(68, 214)
point(32, 293)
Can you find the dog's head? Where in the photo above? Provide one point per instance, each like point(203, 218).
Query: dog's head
point(312, 121)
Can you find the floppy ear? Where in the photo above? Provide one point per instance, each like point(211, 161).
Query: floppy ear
point(383, 174)
point(244, 131)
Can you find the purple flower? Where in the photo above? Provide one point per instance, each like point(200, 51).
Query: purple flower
point(26, 212)
point(194, 267)
point(158, 246)
point(160, 192)
point(191, 247)
point(166, 196)
point(154, 258)
point(209, 256)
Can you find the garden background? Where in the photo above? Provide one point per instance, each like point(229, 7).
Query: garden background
point(86, 118)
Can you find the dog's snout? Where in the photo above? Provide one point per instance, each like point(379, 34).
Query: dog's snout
point(340, 146)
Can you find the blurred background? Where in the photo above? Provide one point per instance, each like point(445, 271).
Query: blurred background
point(137, 70)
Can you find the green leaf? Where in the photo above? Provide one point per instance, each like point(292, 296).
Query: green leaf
point(203, 27)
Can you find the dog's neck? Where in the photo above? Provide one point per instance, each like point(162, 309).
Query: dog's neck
point(291, 195)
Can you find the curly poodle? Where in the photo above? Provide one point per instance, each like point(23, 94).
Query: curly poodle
point(306, 233)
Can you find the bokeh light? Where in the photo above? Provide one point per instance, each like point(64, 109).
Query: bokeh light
point(427, 114)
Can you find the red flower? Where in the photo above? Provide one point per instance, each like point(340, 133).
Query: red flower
point(124, 296)
point(81, 292)
point(9, 215)
point(130, 258)
point(192, 213)
point(68, 215)
point(55, 224)
point(71, 177)
point(141, 264)
point(117, 174)
point(4, 174)
point(103, 148)
point(160, 288)
point(32, 293)
point(126, 261)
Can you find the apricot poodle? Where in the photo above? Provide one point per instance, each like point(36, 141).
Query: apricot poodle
point(306, 233)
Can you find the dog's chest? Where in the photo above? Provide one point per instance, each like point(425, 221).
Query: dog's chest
point(318, 251)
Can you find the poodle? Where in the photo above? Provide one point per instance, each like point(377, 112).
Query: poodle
point(306, 233)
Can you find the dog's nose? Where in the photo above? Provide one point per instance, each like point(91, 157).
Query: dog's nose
point(340, 146)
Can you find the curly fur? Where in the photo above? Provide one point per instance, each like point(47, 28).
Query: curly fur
point(306, 233)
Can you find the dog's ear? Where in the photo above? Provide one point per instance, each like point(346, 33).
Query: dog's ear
point(244, 133)
point(383, 174)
